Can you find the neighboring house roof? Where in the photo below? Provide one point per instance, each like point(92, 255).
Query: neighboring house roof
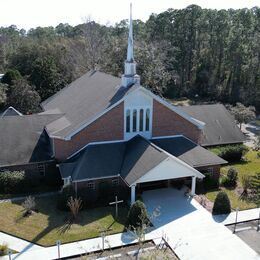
point(220, 126)
point(10, 111)
point(131, 160)
point(23, 139)
point(188, 151)
point(83, 100)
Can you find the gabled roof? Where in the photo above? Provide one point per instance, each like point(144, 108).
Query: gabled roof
point(189, 152)
point(132, 159)
point(83, 100)
point(220, 126)
point(89, 97)
point(10, 111)
point(23, 139)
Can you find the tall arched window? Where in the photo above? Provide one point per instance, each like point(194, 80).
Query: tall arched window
point(141, 120)
point(134, 120)
point(147, 119)
point(128, 121)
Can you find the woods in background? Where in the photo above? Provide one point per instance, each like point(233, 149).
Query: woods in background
point(193, 52)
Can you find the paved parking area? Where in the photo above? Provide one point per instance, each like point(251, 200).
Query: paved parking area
point(192, 232)
point(248, 233)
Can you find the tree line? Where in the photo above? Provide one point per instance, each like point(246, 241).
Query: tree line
point(205, 54)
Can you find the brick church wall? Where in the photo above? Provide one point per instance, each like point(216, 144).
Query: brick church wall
point(166, 123)
point(108, 127)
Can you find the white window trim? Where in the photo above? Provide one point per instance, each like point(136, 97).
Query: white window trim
point(147, 134)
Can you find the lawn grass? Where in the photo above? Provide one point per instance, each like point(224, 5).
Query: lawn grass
point(233, 197)
point(49, 224)
point(250, 166)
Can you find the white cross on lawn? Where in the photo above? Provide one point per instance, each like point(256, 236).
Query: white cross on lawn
point(116, 202)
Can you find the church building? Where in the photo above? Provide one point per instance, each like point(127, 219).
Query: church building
point(103, 128)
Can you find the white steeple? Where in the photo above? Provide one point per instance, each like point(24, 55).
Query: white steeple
point(130, 77)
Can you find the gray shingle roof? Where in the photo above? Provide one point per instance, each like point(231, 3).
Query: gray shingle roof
point(134, 158)
point(189, 152)
point(83, 100)
point(220, 126)
point(23, 139)
point(140, 157)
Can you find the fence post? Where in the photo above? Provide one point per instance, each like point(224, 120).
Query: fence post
point(10, 254)
point(58, 245)
point(258, 222)
point(234, 231)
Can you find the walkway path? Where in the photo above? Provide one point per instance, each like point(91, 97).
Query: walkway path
point(191, 230)
point(242, 216)
point(82, 247)
point(17, 244)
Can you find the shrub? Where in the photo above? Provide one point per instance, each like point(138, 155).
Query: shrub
point(245, 182)
point(75, 205)
point(62, 202)
point(221, 204)
point(232, 153)
point(29, 205)
point(231, 179)
point(137, 214)
point(232, 176)
point(12, 181)
point(3, 249)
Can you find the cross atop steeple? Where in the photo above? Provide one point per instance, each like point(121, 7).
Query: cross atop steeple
point(130, 77)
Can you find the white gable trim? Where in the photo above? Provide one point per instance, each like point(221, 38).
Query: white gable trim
point(169, 169)
point(194, 121)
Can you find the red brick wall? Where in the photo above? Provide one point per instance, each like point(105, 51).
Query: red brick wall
point(166, 123)
point(215, 170)
point(108, 127)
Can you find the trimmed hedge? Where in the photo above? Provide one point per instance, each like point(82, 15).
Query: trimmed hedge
point(231, 153)
point(221, 204)
point(15, 182)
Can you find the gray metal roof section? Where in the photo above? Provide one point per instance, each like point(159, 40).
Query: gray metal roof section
point(83, 100)
point(220, 125)
point(189, 152)
point(23, 139)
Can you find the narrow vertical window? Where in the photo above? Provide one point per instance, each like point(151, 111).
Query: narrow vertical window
point(134, 120)
point(127, 120)
point(147, 120)
point(141, 120)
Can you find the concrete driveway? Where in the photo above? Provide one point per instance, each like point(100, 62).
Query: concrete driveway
point(191, 230)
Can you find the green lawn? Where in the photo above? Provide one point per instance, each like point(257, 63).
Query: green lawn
point(49, 225)
point(250, 167)
point(234, 199)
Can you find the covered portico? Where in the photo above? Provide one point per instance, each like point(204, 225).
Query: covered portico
point(170, 169)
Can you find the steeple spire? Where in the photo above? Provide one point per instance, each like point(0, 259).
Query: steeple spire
point(130, 47)
point(130, 77)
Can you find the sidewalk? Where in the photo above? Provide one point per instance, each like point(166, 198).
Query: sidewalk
point(81, 247)
point(17, 244)
point(243, 216)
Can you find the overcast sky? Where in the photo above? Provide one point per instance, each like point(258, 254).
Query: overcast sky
point(32, 13)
